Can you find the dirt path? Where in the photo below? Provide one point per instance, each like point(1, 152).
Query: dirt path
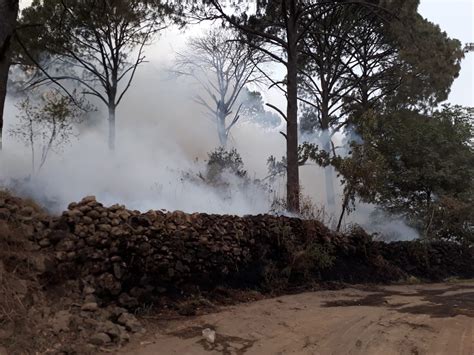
point(418, 319)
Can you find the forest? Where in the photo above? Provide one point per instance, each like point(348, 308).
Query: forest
point(351, 94)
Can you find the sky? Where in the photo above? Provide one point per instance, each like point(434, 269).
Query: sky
point(456, 17)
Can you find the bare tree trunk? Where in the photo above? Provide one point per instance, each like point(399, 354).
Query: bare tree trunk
point(345, 204)
point(32, 142)
point(293, 183)
point(330, 193)
point(112, 109)
point(329, 174)
point(4, 68)
point(221, 129)
point(8, 15)
point(49, 145)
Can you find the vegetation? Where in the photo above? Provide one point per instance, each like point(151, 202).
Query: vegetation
point(96, 44)
point(417, 165)
point(373, 73)
point(45, 126)
point(8, 18)
point(222, 68)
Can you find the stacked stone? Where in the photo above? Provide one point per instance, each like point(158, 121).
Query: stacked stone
point(131, 257)
point(25, 215)
point(433, 261)
point(127, 255)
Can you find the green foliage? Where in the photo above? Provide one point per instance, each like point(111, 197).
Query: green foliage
point(275, 168)
point(303, 263)
point(417, 165)
point(221, 162)
point(91, 43)
point(429, 61)
point(253, 109)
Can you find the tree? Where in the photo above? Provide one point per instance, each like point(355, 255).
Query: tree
point(222, 66)
point(419, 166)
point(46, 124)
point(100, 42)
point(8, 18)
point(277, 29)
point(253, 109)
point(357, 60)
point(328, 57)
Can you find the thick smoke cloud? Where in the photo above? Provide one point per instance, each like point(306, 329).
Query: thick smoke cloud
point(161, 133)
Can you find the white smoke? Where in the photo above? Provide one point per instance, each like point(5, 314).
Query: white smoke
point(161, 133)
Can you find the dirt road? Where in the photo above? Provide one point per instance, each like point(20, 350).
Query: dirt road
point(418, 319)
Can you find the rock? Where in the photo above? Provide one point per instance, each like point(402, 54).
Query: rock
point(105, 227)
point(88, 290)
point(115, 222)
point(90, 299)
point(109, 283)
point(100, 339)
point(87, 220)
point(58, 235)
point(116, 231)
point(93, 214)
point(130, 322)
point(4, 213)
point(88, 199)
point(61, 256)
point(127, 301)
point(42, 264)
point(90, 307)
point(209, 335)
point(116, 312)
point(28, 231)
point(138, 292)
point(61, 322)
point(117, 332)
point(66, 245)
point(44, 243)
point(27, 211)
point(118, 271)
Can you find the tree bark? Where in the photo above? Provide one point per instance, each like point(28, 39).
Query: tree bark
point(221, 128)
point(329, 174)
point(112, 109)
point(8, 15)
point(293, 183)
point(345, 204)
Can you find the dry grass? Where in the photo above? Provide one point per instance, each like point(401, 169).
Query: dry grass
point(18, 283)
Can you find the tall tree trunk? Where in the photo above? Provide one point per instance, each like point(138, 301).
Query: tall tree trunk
point(4, 68)
point(293, 183)
point(8, 15)
point(330, 193)
point(221, 129)
point(112, 109)
point(329, 174)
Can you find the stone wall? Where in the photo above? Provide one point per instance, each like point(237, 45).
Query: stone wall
point(130, 257)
